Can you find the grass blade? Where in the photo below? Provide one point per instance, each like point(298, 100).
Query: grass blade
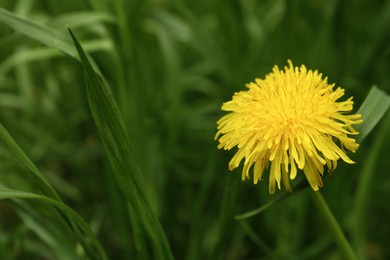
point(372, 110)
point(303, 184)
point(37, 31)
point(6, 193)
point(43, 185)
point(47, 233)
point(38, 54)
point(368, 177)
point(9, 143)
point(256, 239)
point(118, 150)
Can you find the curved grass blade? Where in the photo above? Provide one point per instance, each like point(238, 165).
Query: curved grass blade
point(303, 184)
point(9, 143)
point(257, 240)
point(37, 31)
point(49, 232)
point(372, 110)
point(6, 193)
point(117, 146)
point(40, 181)
point(368, 177)
point(37, 54)
point(82, 19)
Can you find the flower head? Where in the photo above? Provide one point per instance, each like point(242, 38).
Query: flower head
point(290, 120)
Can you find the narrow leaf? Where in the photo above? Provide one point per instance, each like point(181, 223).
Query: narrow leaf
point(118, 149)
point(372, 110)
point(46, 231)
point(9, 143)
point(303, 184)
point(257, 239)
point(6, 193)
point(369, 176)
point(37, 31)
point(40, 181)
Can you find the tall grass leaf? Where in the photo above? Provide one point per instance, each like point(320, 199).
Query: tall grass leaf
point(98, 252)
point(303, 184)
point(39, 54)
point(43, 185)
point(82, 19)
point(46, 231)
point(368, 177)
point(252, 234)
point(117, 146)
point(372, 110)
point(39, 32)
point(9, 143)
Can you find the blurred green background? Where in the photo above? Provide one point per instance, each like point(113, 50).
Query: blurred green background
point(170, 65)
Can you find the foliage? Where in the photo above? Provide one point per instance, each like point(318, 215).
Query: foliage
point(118, 159)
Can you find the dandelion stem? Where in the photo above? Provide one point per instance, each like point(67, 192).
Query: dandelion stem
point(334, 227)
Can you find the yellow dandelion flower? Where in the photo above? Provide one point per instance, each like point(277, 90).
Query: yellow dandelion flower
point(290, 120)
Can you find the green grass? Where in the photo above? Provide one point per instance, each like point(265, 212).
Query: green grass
point(107, 135)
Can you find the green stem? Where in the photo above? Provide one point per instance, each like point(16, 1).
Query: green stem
point(334, 227)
